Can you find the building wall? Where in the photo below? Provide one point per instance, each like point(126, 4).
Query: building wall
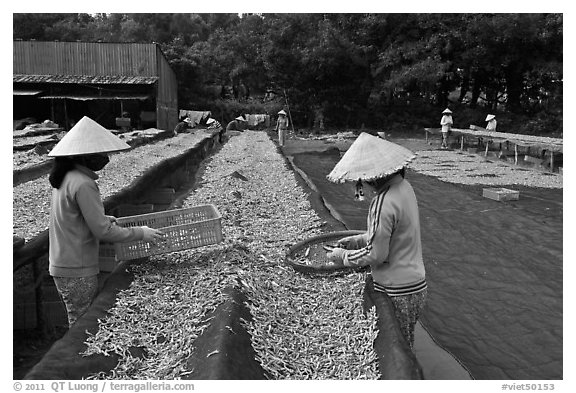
point(167, 95)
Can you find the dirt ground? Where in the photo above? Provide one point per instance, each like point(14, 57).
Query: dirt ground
point(494, 269)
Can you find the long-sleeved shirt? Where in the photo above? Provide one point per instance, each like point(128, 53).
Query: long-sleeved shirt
point(282, 123)
point(78, 223)
point(491, 126)
point(391, 245)
point(446, 123)
point(214, 124)
point(180, 127)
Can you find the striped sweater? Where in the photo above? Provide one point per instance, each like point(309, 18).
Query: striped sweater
point(391, 245)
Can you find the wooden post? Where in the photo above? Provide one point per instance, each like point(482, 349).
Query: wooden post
point(516, 154)
point(426, 131)
point(462, 143)
point(486, 152)
point(551, 161)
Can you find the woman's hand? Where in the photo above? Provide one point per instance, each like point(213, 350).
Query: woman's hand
point(152, 235)
point(347, 243)
point(336, 255)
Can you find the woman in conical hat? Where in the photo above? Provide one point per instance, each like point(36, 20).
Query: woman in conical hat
point(77, 219)
point(491, 126)
point(446, 123)
point(282, 127)
point(238, 124)
point(391, 245)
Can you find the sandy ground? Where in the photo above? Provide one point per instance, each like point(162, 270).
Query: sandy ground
point(494, 268)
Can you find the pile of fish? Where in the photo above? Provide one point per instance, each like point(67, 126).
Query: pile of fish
point(31, 200)
point(27, 158)
point(153, 325)
point(302, 327)
point(462, 168)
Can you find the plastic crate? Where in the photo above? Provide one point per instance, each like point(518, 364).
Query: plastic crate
point(191, 227)
point(501, 194)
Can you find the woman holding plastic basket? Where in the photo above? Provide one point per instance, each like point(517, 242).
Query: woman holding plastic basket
point(77, 219)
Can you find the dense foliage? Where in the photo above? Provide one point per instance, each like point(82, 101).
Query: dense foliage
point(348, 69)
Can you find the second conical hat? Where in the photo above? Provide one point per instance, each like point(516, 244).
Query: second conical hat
point(490, 117)
point(88, 137)
point(370, 158)
point(447, 111)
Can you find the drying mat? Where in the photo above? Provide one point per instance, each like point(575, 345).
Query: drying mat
point(309, 256)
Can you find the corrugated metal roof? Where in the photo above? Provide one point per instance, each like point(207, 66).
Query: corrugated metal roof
point(97, 97)
point(85, 79)
point(26, 92)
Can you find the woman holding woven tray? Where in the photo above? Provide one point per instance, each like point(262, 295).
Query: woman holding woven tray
point(77, 219)
point(391, 246)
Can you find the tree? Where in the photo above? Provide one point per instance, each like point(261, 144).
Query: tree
point(344, 64)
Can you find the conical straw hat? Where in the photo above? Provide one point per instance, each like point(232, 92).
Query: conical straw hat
point(490, 117)
point(239, 118)
point(370, 158)
point(448, 111)
point(88, 137)
point(282, 112)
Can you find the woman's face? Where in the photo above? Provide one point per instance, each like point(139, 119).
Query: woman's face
point(370, 186)
point(96, 162)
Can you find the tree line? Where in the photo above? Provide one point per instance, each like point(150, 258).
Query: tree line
point(346, 68)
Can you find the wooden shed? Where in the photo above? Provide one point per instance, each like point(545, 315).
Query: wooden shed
point(109, 82)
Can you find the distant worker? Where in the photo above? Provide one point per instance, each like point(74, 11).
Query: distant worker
point(182, 126)
point(446, 123)
point(282, 127)
point(213, 124)
point(238, 124)
point(491, 126)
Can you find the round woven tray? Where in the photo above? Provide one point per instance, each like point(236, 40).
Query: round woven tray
point(310, 256)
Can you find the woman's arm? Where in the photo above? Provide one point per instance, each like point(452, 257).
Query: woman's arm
point(377, 240)
point(101, 226)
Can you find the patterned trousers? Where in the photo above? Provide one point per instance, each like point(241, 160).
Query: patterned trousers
point(407, 310)
point(77, 293)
